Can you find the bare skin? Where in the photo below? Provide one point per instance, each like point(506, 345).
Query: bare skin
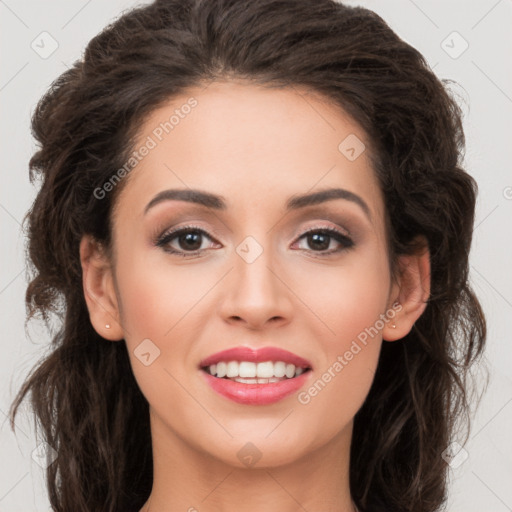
point(256, 148)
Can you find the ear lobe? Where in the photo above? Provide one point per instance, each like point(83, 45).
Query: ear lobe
point(412, 291)
point(99, 291)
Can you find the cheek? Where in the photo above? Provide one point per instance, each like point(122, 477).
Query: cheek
point(156, 294)
point(158, 309)
point(345, 298)
point(350, 302)
point(161, 303)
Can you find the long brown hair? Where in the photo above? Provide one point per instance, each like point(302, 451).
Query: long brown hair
point(84, 394)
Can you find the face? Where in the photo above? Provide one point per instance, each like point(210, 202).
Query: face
point(310, 279)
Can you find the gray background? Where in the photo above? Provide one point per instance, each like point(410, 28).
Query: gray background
point(483, 72)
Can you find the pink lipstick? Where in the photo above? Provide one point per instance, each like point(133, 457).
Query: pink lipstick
point(255, 377)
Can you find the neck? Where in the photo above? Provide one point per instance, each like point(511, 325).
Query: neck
point(188, 478)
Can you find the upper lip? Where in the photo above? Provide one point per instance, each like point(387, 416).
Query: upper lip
point(256, 356)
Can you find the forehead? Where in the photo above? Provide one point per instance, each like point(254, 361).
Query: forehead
point(250, 144)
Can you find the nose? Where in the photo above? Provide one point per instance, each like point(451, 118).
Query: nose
point(257, 294)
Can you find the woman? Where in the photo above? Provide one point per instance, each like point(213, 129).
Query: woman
point(255, 215)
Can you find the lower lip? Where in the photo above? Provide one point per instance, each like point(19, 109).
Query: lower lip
point(256, 394)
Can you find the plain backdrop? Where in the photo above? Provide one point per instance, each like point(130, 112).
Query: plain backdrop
point(469, 42)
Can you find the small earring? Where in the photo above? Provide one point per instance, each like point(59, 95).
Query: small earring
point(394, 326)
point(107, 326)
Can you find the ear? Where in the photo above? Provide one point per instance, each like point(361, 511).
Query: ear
point(411, 291)
point(99, 291)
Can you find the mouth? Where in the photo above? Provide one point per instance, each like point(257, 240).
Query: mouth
point(255, 377)
point(248, 372)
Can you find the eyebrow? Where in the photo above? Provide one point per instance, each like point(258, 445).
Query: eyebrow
point(295, 202)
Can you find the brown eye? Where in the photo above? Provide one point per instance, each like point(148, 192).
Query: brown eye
point(188, 240)
point(320, 239)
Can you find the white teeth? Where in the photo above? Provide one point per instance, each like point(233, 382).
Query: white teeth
point(232, 370)
point(290, 370)
point(279, 369)
point(265, 370)
point(221, 369)
point(246, 369)
point(256, 381)
point(255, 373)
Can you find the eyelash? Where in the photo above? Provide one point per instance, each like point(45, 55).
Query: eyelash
point(167, 237)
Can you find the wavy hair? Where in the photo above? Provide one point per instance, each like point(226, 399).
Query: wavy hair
point(83, 392)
